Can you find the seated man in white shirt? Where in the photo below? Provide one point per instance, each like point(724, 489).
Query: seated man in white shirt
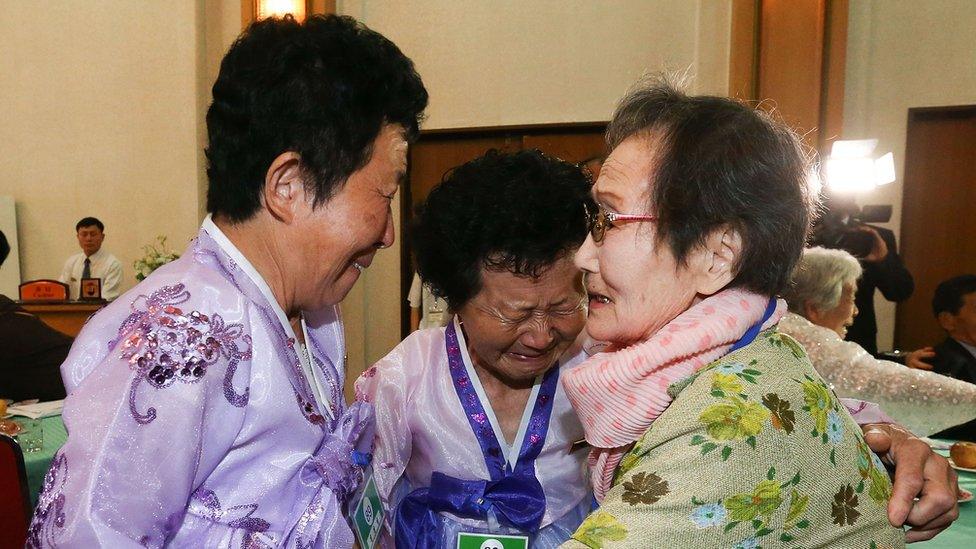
point(93, 262)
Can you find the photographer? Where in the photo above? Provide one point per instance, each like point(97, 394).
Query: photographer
point(845, 227)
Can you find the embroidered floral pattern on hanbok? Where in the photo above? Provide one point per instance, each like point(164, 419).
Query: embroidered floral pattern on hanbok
point(755, 509)
point(722, 423)
point(204, 502)
point(844, 508)
point(782, 416)
point(49, 513)
point(645, 488)
point(820, 402)
point(599, 528)
point(708, 514)
point(163, 344)
point(780, 340)
point(733, 418)
point(873, 475)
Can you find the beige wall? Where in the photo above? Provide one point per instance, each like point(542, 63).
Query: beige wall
point(99, 109)
point(103, 102)
point(903, 54)
point(516, 62)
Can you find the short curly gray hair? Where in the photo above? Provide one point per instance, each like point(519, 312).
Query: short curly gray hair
point(820, 277)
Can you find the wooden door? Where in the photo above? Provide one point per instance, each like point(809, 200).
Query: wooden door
point(438, 151)
point(938, 228)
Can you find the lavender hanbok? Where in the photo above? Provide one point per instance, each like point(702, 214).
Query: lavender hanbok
point(195, 419)
point(441, 463)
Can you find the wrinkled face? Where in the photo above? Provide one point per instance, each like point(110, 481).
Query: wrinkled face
point(90, 239)
point(348, 229)
point(634, 283)
point(842, 316)
point(518, 326)
point(962, 326)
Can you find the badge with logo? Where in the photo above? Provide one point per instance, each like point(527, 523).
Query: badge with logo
point(367, 516)
point(466, 540)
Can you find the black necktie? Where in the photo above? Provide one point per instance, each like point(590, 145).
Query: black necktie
point(86, 272)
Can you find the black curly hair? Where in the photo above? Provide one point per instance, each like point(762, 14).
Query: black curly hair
point(323, 88)
point(519, 212)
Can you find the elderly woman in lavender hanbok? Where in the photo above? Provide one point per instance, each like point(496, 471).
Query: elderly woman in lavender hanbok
point(473, 429)
point(205, 406)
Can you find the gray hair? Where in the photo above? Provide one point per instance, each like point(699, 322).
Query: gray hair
point(720, 163)
point(820, 278)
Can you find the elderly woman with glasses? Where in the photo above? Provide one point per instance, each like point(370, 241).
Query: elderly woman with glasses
point(821, 303)
point(473, 431)
point(709, 427)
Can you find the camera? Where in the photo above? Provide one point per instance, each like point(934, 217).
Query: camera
point(841, 229)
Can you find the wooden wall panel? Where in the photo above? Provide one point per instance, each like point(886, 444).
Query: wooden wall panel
point(744, 50)
point(791, 39)
point(938, 228)
point(790, 56)
point(835, 63)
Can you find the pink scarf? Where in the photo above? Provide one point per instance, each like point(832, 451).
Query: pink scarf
point(618, 394)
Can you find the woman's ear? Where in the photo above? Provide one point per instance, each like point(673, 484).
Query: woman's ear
point(719, 258)
point(284, 187)
point(811, 313)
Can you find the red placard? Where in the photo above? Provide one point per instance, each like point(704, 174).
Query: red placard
point(43, 290)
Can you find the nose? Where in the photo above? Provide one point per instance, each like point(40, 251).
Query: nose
point(540, 335)
point(585, 258)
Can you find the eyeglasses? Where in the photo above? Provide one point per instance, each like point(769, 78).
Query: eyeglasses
point(598, 222)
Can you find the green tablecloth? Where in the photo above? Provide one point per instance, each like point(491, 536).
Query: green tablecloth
point(962, 534)
point(37, 462)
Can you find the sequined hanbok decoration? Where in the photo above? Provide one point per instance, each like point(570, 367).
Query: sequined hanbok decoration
point(925, 402)
point(194, 422)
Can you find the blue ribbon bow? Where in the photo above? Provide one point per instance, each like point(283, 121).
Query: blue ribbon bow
point(516, 499)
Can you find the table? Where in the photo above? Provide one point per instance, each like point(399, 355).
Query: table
point(66, 317)
point(962, 533)
point(37, 463)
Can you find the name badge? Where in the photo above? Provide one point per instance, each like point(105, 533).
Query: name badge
point(467, 540)
point(367, 516)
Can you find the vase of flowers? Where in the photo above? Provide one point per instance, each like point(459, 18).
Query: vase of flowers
point(156, 255)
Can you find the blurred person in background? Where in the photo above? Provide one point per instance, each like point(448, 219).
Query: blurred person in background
point(822, 306)
point(31, 352)
point(92, 262)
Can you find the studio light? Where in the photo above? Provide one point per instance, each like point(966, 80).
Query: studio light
point(853, 168)
point(279, 8)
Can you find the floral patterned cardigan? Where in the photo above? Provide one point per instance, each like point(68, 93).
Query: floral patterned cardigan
point(754, 451)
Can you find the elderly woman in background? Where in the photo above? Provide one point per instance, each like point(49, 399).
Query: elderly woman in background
point(821, 303)
point(473, 429)
point(711, 428)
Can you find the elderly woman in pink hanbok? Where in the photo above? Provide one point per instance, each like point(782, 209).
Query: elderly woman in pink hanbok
point(205, 406)
point(473, 429)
